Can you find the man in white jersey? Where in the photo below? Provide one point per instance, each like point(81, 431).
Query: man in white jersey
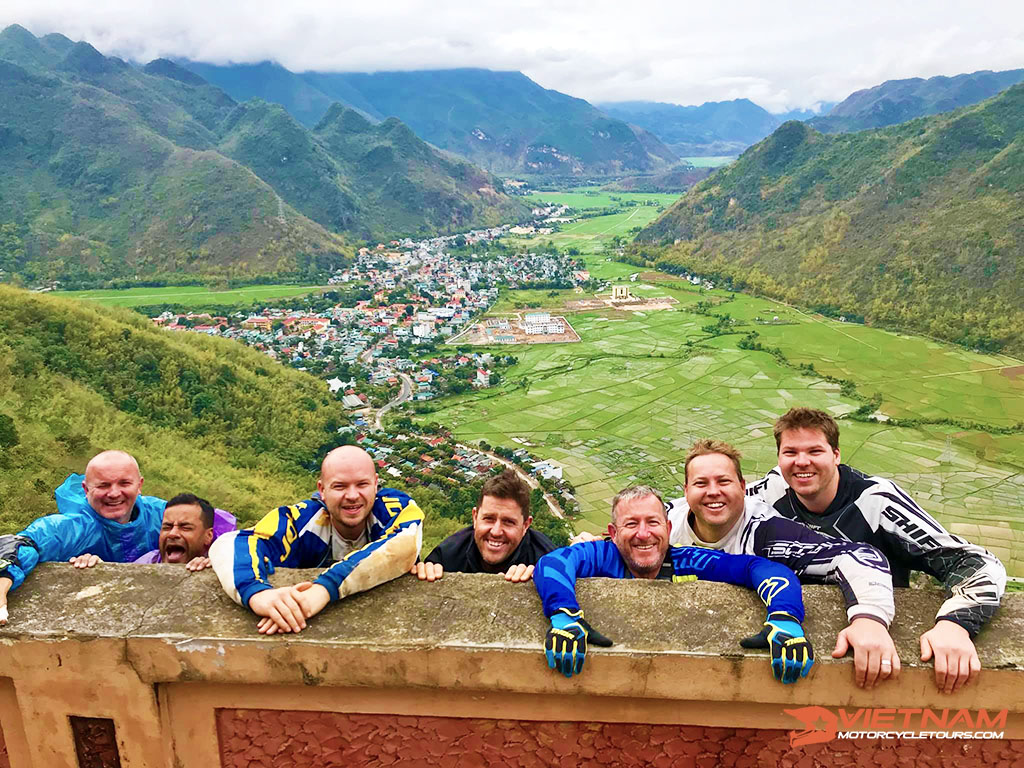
point(810, 485)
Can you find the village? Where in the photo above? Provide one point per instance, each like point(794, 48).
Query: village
point(389, 344)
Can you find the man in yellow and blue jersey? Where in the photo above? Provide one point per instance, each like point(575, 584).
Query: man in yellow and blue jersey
point(370, 534)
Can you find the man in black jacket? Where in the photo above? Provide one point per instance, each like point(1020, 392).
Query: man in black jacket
point(500, 539)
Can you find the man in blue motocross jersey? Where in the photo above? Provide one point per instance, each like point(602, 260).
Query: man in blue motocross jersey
point(101, 516)
point(640, 532)
point(371, 535)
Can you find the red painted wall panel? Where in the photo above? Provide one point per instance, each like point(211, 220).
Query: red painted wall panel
point(255, 738)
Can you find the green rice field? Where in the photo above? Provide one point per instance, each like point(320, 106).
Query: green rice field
point(592, 234)
point(190, 295)
point(623, 405)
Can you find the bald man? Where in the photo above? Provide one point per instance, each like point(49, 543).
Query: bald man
point(370, 534)
point(101, 516)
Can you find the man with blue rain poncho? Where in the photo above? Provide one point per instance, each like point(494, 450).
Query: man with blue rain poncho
point(100, 516)
point(640, 549)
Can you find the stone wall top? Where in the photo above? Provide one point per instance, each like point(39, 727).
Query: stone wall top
point(477, 632)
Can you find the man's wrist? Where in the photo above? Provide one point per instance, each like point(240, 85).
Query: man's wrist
point(952, 620)
point(870, 616)
point(251, 591)
point(332, 590)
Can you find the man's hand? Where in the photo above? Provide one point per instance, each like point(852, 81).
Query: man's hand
point(85, 561)
point(792, 655)
point(5, 587)
point(427, 571)
point(519, 573)
point(312, 597)
point(583, 536)
point(309, 598)
point(566, 643)
point(956, 659)
point(874, 655)
point(280, 610)
point(198, 563)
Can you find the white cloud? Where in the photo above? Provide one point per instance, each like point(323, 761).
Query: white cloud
point(780, 55)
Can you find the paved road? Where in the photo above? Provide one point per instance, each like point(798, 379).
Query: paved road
point(404, 395)
point(526, 476)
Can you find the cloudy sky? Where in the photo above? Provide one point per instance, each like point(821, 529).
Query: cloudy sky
point(783, 54)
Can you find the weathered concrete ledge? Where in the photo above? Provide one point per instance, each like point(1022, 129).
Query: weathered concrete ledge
point(114, 634)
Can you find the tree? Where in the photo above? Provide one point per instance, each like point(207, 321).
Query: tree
point(8, 434)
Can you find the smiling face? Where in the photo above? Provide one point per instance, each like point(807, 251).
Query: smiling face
point(641, 532)
point(112, 483)
point(498, 527)
point(810, 466)
point(715, 495)
point(348, 488)
point(183, 535)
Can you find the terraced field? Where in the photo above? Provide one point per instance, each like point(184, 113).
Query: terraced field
point(623, 405)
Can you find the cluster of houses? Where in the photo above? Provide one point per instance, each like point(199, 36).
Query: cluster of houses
point(421, 294)
point(413, 458)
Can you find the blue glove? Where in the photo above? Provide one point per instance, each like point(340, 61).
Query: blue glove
point(792, 655)
point(566, 643)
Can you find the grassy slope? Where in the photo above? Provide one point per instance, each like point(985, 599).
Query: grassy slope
point(916, 226)
point(201, 414)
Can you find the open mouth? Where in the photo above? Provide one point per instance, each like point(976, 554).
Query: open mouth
point(495, 545)
point(174, 553)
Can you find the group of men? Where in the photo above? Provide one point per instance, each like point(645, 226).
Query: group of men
point(811, 518)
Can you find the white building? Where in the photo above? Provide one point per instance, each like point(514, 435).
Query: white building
point(555, 326)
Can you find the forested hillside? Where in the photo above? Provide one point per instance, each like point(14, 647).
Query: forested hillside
point(201, 414)
point(109, 171)
point(917, 226)
point(112, 172)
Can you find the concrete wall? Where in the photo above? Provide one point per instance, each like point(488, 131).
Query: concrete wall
point(452, 673)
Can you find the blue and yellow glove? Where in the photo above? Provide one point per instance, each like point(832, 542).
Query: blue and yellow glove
point(566, 643)
point(792, 655)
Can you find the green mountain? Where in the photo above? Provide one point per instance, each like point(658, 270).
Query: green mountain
point(917, 226)
point(896, 101)
point(111, 171)
point(713, 128)
point(502, 121)
point(376, 181)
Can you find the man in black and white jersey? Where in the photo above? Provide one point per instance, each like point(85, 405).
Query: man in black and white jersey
point(812, 486)
point(716, 514)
